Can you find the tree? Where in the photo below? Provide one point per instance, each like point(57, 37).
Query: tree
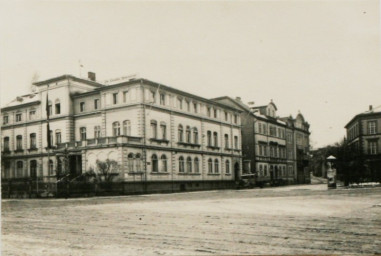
point(107, 169)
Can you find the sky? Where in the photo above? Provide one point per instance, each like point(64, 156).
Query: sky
point(321, 58)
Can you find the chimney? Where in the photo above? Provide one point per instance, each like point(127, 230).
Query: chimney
point(91, 76)
point(370, 107)
point(238, 99)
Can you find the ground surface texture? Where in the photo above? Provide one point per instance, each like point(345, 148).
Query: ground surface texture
point(306, 219)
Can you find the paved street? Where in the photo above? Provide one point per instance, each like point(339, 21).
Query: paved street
point(306, 219)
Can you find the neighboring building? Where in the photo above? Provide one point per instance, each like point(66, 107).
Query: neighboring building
point(163, 138)
point(274, 149)
point(364, 136)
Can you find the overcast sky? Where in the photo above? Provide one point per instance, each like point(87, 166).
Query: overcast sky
point(319, 57)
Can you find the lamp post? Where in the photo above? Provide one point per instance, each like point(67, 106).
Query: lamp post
point(331, 172)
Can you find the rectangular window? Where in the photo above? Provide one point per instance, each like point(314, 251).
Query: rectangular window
point(188, 106)
point(58, 108)
point(162, 99)
point(372, 127)
point(115, 98)
point(179, 103)
point(82, 106)
point(163, 131)
point(215, 113)
point(372, 147)
point(154, 130)
point(195, 107)
point(208, 112)
point(82, 131)
point(5, 120)
point(125, 96)
point(18, 117)
point(32, 114)
point(32, 140)
point(236, 142)
point(259, 128)
point(235, 119)
point(96, 103)
point(226, 116)
point(58, 137)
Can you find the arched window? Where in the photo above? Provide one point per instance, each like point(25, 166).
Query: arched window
point(236, 142)
point(188, 134)
point(196, 165)
point(58, 137)
point(226, 141)
point(130, 162)
point(209, 138)
point(57, 107)
point(164, 167)
point(116, 128)
point(216, 166)
point(195, 135)
point(181, 133)
point(154, 129)
point(181, 164)
point(189, 164)
point(20, 169)
point(227, 167)
point(155, 166)
point(6, 144)
point(215, 137)
point(19, 142)
point(97, 131)
point(127, 127)
point(210, 166)
point(51, 167)
point(32, 137)
point(138, 161)
point(82, 132)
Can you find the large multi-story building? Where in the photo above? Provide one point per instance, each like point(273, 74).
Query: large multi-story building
point(274, 149)
point(164, 138)
point(364, 137)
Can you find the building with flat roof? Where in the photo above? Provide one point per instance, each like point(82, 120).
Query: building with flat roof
point(364, 137)
point(163, 139)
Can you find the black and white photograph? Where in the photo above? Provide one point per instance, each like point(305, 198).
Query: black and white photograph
point(190, 127)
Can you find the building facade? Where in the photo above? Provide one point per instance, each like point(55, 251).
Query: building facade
point(164, 138)
point(364, 137)
point(274, 149)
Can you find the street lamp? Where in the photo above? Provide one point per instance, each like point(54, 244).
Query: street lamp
point(331, 172)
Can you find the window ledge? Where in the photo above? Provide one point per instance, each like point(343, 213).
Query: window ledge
point(213, 174)
point(159, 173)
point(32, 149)
point(189, 173)
point(213, 147)
point(189, 144)
point(160, 140)
point(19, 150)
point(136, 173)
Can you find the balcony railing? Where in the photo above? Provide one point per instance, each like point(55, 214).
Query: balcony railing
point(101, 141)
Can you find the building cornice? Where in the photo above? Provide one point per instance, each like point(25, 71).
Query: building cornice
point(22, 105)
